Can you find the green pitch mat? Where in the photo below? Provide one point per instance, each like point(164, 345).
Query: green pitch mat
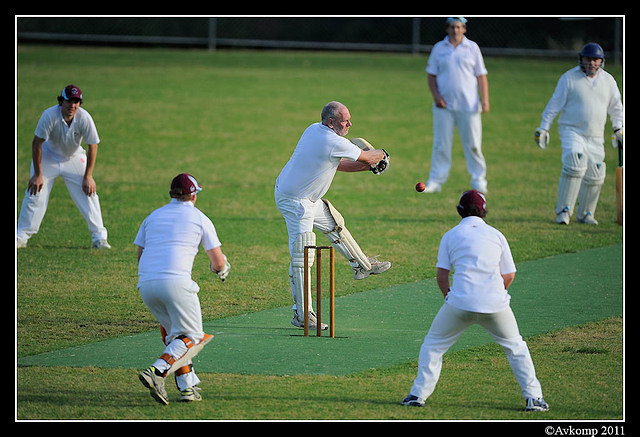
point(377, 328)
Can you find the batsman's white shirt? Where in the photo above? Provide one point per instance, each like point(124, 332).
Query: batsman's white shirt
point(171, 236)
point(478, 254)
point(584, 103)
point(310, 170)
point(63, 141)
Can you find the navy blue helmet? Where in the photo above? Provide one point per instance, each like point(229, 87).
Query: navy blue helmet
point(592, 50)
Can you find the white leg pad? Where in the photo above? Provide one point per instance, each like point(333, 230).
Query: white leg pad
point(343, 241)
point(574, 166)
point(590, 189)
point(568, 188)
point(298, 267)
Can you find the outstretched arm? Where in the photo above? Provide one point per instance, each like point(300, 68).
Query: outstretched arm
point(366, 159)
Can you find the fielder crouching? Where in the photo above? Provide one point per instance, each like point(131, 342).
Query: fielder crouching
point(168, 241)
point(483, 269)
point(321, 151)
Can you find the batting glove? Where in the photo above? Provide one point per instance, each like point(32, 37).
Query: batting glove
point(542, 138)
point(382, 165)
point(619, 134)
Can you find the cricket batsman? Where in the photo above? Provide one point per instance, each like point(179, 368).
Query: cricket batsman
point(321, 151)
point(583, 96)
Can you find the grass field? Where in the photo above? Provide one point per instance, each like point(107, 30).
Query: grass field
point(232, 119)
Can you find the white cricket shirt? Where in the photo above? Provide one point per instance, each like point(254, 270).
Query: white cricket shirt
point(171, 236)
point(64, 141)
point(584, 103)
point(457, 70)
point(310, 170)
point(478, 255)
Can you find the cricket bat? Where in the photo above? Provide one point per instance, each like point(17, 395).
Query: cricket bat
point(619, 183)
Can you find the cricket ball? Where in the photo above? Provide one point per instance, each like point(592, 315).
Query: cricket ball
point(420, 187)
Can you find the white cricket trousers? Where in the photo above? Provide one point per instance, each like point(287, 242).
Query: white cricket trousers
point(35, 206)
point(449, 324)
point(304, 215)
point(176, 306)
point(469, 126)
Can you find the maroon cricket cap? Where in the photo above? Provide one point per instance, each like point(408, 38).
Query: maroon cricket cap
point(185, 183)
point(473, 200)
point(71, 92)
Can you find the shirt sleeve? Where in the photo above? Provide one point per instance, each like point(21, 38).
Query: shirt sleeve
point(210, 238)
point(506, 259)
point(344, 148)
point(43, 127)
point(443, 261)
point(480, 68)
point(90, 133)
point(140, 236)
point(432, 64)
point(614, 109)
point(556, 103)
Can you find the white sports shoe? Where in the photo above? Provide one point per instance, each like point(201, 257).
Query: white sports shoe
point(190, 394)
point(563, 217)
point(412, 401)
point(101, 244)
point(536, 405)
point(432, 187)
point(377, 267)
point(155, 383)
point(588, 219)
point(298, 321)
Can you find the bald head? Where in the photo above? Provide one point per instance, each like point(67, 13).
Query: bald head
point(336, 116)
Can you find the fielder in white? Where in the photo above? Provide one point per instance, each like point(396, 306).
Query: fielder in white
point(583, 96)
point(321, 151)
point(168, 241)
point(456, 73)
point(483, 267)
point(57, 152)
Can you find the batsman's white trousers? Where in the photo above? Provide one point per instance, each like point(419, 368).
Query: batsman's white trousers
point(469, 126)
point(304, 215)
point(35, 206)
point(572, 142)
point(175, 305)
point(449, 324)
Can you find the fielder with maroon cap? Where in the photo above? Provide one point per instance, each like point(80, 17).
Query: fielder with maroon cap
point(168, 241)
point(57, 152)
point(483, 267)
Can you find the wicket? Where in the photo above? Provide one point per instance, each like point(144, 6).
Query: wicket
point(306, 295)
